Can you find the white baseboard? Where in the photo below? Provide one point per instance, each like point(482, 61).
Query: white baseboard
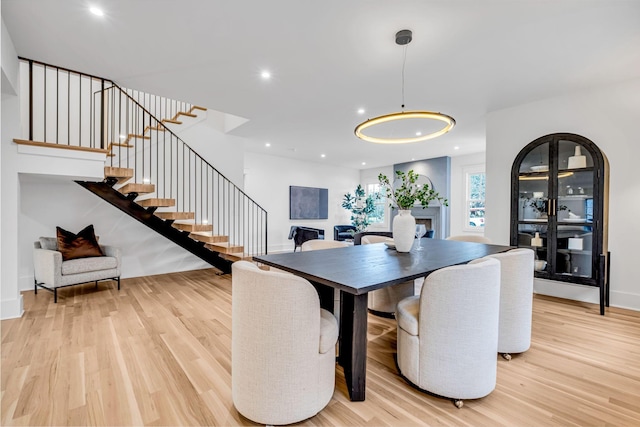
point(590, 294)
point(25, 283)
point(625, 300)
point(11, 309)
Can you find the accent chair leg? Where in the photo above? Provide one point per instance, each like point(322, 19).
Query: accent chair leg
point(118, 279)
point(55, 295)
point(96, 284)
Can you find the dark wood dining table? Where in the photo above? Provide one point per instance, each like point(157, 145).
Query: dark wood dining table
point(360, 269)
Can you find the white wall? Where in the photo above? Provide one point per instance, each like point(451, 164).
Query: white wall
point(10, 298)
point(459, 167)
point(267, 181)
point(607, 116)
point(224, 152)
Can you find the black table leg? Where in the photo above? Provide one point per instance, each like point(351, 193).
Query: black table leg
point(353, 343)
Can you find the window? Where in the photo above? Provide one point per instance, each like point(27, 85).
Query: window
point(474, 205)
point(377, 217)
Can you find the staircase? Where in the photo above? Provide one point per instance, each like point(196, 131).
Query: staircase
point(150, 173)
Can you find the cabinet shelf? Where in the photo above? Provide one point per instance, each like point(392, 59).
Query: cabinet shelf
point(574, 252)
point(576, 197)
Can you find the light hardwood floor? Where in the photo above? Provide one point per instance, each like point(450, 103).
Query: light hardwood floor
point(158, 353)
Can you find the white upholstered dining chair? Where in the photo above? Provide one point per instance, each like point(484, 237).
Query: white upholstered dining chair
point(475, 238)
point(516, 300)
point(383, 302)
point(448, 335)
point(318, 244)
point(282, 346)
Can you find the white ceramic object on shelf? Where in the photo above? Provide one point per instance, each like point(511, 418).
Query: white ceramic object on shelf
point(577, 160)
point(404, 230)
point(575, 243)
point(540, 265)
point(536, 240)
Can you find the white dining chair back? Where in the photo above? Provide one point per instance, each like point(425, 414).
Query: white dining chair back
point(475, 238)
point(282, 346)
point(448, 335)
point(319, 244)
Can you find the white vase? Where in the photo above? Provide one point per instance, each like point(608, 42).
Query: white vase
point(404, 230)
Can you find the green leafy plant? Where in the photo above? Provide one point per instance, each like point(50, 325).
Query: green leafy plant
point(361, 207)
point(539, 205)
point(405, 196)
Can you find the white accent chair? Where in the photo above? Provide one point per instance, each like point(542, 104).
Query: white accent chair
point(51, 272)
point(448, 335)
point(516, 301)
point(318, 244)
point(474, 238)
point(283, 346)
point(383, 302)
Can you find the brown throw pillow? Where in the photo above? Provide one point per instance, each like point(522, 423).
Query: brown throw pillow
point(81, 245)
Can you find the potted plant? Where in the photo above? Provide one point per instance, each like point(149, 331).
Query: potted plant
point(361, 207)
point(539, 206)
point(404, 198)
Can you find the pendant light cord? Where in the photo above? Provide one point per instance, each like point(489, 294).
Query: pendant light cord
point(404, 61)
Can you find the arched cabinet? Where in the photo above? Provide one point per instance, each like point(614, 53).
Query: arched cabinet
point(559, 205)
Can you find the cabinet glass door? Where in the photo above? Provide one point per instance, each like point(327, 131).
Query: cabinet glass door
point(534, 185)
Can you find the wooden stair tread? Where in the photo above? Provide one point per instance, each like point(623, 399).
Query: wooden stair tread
point(225, 248)
point(205, 237)
point(137, 188)
point(183, 113)
point(131, 135)
point(119, 144)
point(197, 107)
point(158, 203)
point(239, 256)
point(121, 174)
point(174, 121)
point(189, 226)
point(159, 128)
point(175, 215)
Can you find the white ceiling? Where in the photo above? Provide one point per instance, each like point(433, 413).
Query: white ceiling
point(330, 57)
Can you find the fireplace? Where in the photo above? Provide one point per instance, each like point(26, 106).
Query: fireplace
point(431, 217)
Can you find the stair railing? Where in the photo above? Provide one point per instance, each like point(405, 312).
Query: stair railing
point(139, 140)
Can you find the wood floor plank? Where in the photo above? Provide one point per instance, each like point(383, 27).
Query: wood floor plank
point(158, 352)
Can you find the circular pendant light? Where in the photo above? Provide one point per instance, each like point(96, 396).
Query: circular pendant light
point(375, 124)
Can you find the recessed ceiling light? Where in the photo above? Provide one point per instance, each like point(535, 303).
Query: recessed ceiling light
point(266, 75)
point(413, 158)
point(360, 110)
point(96, 11)
point(364, 163)
point(456, 148)
point(323, 155)
point(268, 144)
point(418, 133)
